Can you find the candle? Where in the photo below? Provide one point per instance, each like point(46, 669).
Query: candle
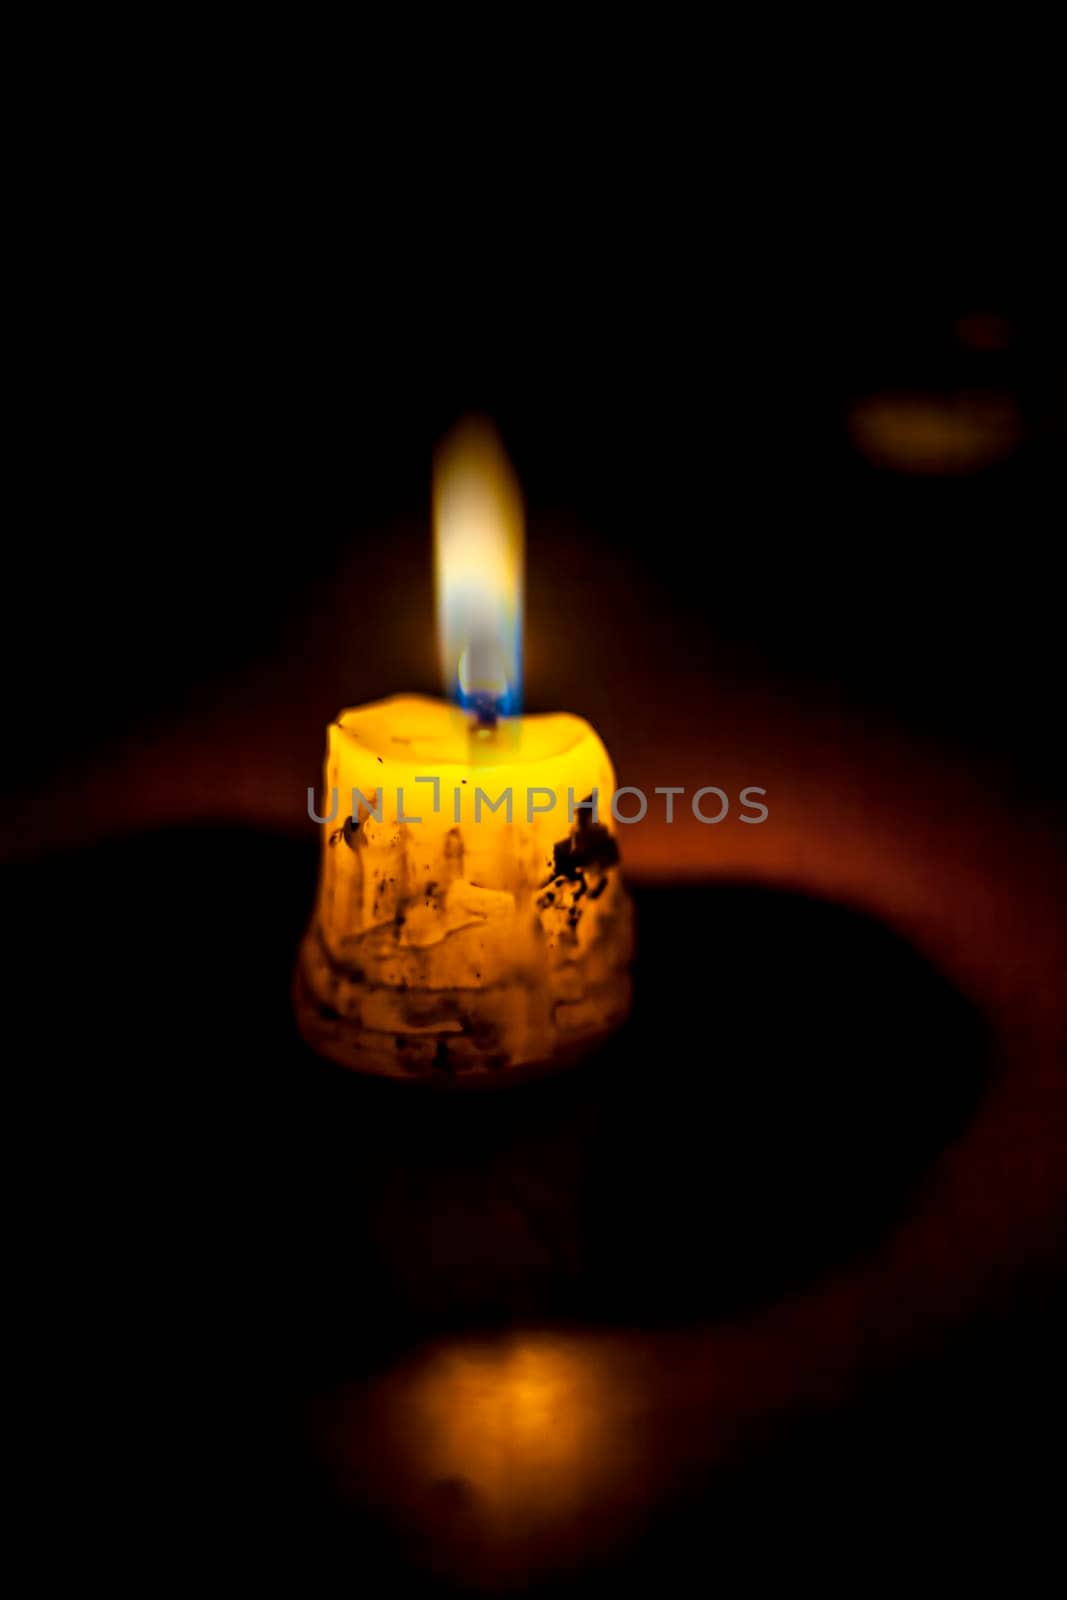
point(471, 919)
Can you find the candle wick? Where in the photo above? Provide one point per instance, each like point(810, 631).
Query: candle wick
point(484, 707)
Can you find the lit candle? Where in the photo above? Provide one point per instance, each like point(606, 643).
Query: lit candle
point(471, 919)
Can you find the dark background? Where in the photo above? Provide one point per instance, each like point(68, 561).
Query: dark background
point(233, 413)
point(228, 415)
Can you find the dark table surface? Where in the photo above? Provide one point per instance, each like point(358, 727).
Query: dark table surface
point(541, 1335)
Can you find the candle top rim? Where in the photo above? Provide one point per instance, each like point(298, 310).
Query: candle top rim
point(411, 729)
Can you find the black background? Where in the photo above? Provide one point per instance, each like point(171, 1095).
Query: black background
point(223, 408)
point(231, 396)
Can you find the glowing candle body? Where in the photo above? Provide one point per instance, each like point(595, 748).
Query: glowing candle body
point(465, 924)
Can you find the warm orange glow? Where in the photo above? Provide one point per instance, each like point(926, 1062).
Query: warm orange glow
point(479, 552)
point(523, 1426)
point(492, 1453)
point(935, 433)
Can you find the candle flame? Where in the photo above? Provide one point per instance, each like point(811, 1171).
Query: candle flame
point(479, 553)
